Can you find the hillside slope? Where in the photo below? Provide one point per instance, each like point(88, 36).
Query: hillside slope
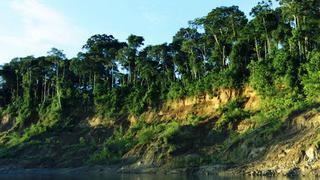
point(232, 131)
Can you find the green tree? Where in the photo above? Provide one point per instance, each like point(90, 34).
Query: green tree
point(100, 55)
point(222, 26)
point(128, 56)
point(311, 80)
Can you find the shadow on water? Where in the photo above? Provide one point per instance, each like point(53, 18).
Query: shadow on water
point(131, 177)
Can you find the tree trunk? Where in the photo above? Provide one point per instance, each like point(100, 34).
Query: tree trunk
point(257, 49)
point(233, 29)
point(220, 48)
point(112, 78)
point(94, 82)
point(265, 49)
point(58, 94)
point(223, 56)
point(267, 36)
point(17, 84)
point(45, 89)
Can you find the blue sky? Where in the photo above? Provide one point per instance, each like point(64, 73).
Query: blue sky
point(32, 27)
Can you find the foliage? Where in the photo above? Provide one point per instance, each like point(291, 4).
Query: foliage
point(311, 80)
point(113, 148)
point(276, 52)
point(231, 113)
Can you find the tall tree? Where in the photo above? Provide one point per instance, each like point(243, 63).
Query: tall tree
point(101, 53)
point(265, 21)
point(222, 26)
point(129, 56)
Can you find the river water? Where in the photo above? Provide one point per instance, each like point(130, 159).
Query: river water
point(25, 176)
point(103, 173)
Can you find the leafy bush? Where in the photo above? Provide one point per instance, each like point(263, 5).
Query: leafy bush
point(146, 135)
point(176, 91)
point(170, 130)
point(261, 78)
point(113, 148)
point(194, 120)
point(135, 101)
point(101, 157)
point(311, 80)
point(230, 114)
point(50, 114)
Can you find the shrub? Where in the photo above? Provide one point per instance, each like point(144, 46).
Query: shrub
point(100, 157)
point(176, 91)
point(261, 78)
point(50, 114)
point(34, 129)
point(14, 139)
point(194, 120)
point(170, 130)
point(146, 135)
point(311, 80)
point(113, 148)
point(230, 114)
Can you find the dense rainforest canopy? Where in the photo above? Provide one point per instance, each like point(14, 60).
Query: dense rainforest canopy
point(276, 52)
point(109, 104)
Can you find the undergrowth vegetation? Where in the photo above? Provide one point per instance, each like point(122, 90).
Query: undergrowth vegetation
point(46, 102)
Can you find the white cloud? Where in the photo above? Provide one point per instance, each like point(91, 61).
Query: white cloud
point(41, 27)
